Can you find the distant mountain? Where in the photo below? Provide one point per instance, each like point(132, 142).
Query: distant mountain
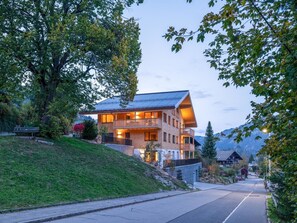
point(247, 146)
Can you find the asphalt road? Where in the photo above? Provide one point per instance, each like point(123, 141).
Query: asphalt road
point(242, 202)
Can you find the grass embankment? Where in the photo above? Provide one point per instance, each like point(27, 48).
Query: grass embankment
point(33, 174)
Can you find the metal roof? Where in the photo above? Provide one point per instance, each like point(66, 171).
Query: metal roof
point(224, 155)
point(149, 101)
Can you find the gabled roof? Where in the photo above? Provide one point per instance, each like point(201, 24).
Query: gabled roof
point(148, 101)
point(151, 101)
point(224, 155)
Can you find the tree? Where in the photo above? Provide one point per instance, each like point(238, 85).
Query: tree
point(150, 150)
point(90, 130)
point(209, 146)
point(254, 44)
point(251, 159)
point(66, 54)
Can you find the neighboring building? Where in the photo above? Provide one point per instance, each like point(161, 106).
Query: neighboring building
point(164, 117)
point(228, 157)
point(81, 119)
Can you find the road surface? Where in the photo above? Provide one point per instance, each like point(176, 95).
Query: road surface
point(242, 202)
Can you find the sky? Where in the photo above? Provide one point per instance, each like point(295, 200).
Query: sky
point(163, 70)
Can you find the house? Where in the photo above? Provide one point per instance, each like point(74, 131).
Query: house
point(166, 118)
point(228, 157)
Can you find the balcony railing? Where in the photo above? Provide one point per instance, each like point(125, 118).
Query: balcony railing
point(113, 140)
point(187, 147)
point(181, 162)
point(137, 123)
point(190, 132)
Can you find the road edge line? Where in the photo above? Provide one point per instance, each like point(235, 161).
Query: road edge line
point(236, 207)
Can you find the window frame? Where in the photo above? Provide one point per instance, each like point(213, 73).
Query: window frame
point(164, 117)
point(105, 115)
point(150, 136)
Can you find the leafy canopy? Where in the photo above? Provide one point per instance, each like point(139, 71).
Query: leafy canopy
point(66, 54)
point(253, 43)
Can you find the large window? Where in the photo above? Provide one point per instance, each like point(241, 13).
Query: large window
point(173, 139)
point(106, 118)
point(173, 122)
point(186, 140)
point(169, 120)
point(165, 117)
point(151, 115)
point(164, 136)
point(169, 137)
point(150, 136)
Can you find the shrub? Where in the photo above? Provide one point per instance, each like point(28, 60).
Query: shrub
point(65, 125)
point(230, 172)
point(52, 129)
point(9, 117)
point(78, 128)
point(90, 130)
point(29, 115)
point(179, 175)
point(214, 169)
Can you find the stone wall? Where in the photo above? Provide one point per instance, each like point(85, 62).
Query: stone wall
point(189, 173)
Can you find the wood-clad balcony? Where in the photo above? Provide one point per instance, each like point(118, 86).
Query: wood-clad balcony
point(188, 132)
point(187, 147)
point(149, 123)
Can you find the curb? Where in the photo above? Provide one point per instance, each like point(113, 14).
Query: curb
point(266, 204)
point(62, 216)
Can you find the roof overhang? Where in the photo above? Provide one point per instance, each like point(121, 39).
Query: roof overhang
point(187, 111)
point(124, 110)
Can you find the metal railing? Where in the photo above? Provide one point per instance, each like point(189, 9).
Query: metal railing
point(180, 162)
point(113, 140)
point(137, 123)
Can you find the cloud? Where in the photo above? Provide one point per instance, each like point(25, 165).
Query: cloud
point(200, 131)
point(230, 109)
point(162, 77)
point(217, 103)
point(200, 94)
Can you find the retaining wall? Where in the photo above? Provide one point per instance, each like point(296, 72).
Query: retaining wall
point(189, 173)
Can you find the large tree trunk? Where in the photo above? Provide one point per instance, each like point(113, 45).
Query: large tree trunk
point(48, 93)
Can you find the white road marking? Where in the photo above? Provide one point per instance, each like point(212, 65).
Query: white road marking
point(237, 207)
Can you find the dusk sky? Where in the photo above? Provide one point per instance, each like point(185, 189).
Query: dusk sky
point(163, 70)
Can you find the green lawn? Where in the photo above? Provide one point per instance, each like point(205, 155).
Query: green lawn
point(33, 174)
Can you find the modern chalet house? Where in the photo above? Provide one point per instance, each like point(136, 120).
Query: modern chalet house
point(164, 117)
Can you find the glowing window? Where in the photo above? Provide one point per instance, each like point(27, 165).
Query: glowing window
point(106, 118)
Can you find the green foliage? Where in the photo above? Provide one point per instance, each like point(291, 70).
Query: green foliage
point(65, 125)
point(251, 159)
point(285, 208)
point(102, 130)
point(209, 147)
point(179, 175)
point(150, 150)
point(254, 44)
point(71, 170)
point(9, 117)
point(28, 115)
point(68, 54)
point(230, 172)
point(90, 131)
point(214, 169)
point(52, 129)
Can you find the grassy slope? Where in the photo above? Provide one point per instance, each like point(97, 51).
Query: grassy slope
point(33, 174)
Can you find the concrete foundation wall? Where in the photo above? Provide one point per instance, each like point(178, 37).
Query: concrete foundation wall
point(190, 173)
point(128, 150)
